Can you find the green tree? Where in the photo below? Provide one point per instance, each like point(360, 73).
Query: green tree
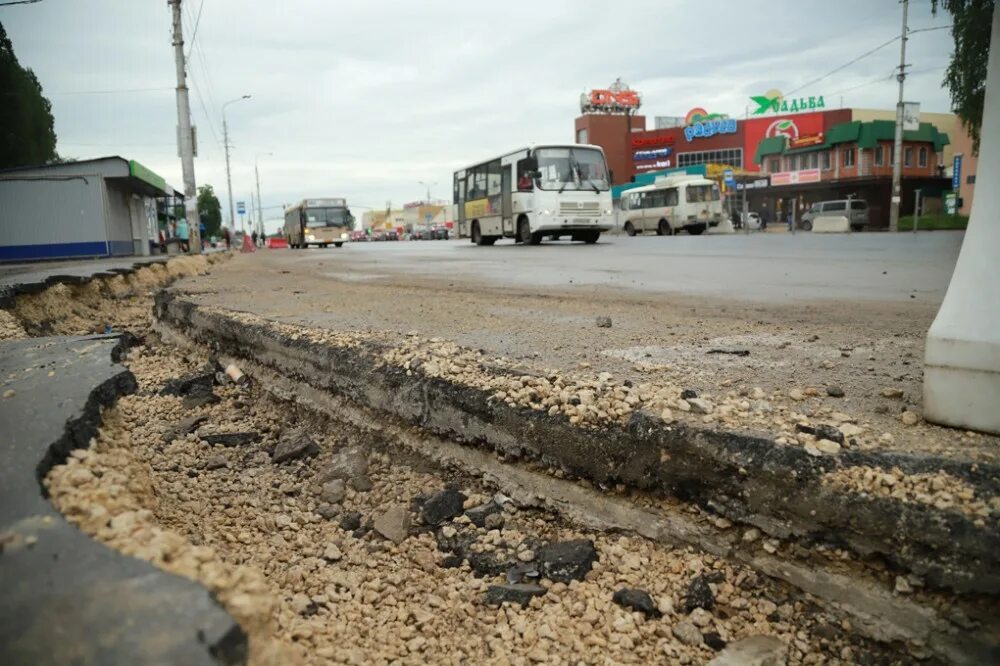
point(210, 210)
point(966, 74)
point(27, 129)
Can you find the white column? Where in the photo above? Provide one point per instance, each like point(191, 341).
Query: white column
point(962, 360)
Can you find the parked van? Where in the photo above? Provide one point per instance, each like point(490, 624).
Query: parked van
point(855, 210)
point(671, 204)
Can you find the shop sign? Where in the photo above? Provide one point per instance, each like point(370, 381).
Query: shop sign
point(707, 128)
point(649, 166)
point(610, 101)
point(642, 155)
point(649, 141)
point(758, 184)
point(956, 173)
point(795, 177)
point(806, 140)
point(777, 103)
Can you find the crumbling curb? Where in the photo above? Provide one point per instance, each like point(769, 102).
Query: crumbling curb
point(745, 478)
point(67, 598)
point(33, 282)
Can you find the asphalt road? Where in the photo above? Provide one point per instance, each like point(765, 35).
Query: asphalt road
point(766, 267)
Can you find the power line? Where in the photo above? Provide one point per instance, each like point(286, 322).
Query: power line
point(19, 2)
point(197, 22)
point(865, 55)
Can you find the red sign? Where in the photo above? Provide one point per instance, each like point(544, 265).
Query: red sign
point(793, 127)
point(806, 140)
point(795, 177)
point(622, 98)
point(648, 141)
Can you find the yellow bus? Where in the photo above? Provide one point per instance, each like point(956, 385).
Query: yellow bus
point(319, 222)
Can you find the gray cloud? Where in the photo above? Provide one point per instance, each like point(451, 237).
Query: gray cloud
point(365, 99)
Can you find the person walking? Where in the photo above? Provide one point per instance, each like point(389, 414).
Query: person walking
point(253, 237)
point(183, 234)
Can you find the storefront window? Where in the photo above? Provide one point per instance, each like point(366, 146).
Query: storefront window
point(879, 156)
point(908, 156)
point(848, 157)
point(923, 156)
point(826, 160)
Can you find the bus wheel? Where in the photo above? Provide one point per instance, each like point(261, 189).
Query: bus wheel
point(591, 237)
point(524, 233)
point(663, 229)
point(696, 231)
point(338, 245)
point(477, 235)
point(323, 245)
point(629, 229)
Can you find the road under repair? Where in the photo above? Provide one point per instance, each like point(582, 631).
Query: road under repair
point(760, 470)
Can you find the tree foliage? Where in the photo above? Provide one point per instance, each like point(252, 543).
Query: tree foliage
point(210, 210)
point(27, 129)
point(965, 77)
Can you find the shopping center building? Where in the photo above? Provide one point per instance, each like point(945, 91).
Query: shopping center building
point(785, 153)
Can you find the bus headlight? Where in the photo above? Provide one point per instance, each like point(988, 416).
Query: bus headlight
point(310, 237)
point(607, 211)
point(546, 212)
point(345, 236)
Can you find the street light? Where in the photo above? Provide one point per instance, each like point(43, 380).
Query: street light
point(256, 171)
point(428, 186)
point(229, 177)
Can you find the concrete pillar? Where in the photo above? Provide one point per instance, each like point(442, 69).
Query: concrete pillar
point(962, 359)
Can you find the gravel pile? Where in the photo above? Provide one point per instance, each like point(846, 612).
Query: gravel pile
point(940, 490)
point(344, 552)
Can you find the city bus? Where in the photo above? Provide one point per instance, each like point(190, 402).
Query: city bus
point(319, 222)
point(552, 191)
point(672, 204)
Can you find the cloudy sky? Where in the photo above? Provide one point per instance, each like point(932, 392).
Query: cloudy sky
point(367, 98)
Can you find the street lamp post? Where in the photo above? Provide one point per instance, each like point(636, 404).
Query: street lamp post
point(229, 177)
point(260, 210)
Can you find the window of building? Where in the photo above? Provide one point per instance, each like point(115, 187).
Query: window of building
point(582, 136)
point(730, 156)
point(879, 156)
point(970, 180)
point(848, 157)
point(814, 160)
point(922, 156)
point(774, 166)
point(908, 156)
point(826, 160)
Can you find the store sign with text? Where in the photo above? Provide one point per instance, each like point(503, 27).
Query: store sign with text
point(806, 140)
point(775, 102)
point(610, 101)
point(795, 177)
point(642, 155)
point(709, 128)
point(652, 141)
point(649, 166)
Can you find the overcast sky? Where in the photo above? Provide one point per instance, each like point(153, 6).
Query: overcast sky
point(364, 99)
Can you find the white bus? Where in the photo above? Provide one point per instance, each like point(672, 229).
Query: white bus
point(318, 222)
point(672, 204)
point(551, 191)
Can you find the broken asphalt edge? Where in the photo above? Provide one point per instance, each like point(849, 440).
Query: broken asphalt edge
point(26, 284)
point(68, 598)
point(746, 478)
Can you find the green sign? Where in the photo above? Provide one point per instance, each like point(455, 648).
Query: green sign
point(136, 170)
point(779, 104)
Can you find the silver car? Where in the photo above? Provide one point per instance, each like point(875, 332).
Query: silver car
point(855, 210)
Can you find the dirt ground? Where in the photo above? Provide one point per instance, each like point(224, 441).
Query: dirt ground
point(857, 362)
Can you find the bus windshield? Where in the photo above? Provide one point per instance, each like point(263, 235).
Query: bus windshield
point(571, 169)
point(327, 217)
point(702, 193)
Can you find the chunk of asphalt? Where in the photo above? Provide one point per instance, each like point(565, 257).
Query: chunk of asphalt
point(442, 506)
point(638, 600)
point(293, 445)
point(230, 438)
point(200, 382)
point(564, 561)
point(184, 427)
point(699, 595)
point(519, 593)
point(479, 514)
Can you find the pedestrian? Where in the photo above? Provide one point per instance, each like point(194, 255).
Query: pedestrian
point(183, 234)
point(791, 218)
point(253, 237)
point(226, 238)
point(201, 234)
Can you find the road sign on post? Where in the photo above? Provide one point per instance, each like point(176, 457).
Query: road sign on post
point(241, 207)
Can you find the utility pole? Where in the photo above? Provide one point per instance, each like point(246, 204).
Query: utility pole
point(897, 150)
point(260, 211)
point(185, 137)
point(229, 176)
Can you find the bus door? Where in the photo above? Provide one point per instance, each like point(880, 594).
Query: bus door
point(506, 212)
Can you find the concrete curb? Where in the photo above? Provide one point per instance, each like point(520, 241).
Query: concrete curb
point(748, 479)
point(67, 598)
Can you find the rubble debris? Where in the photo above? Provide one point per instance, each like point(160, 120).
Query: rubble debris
point(184, 427)
point(346, 464)
point(333, 492)
point(197, 383)
point(753, 651)
point(893, 393)
point(689, 394)
point(699, 595)
point(394, 524)
point(479, 514)
point(731, 352)
point(486, 564)
point(519, 593)
point(216, 462)
point(350, 521)
point(442, 506)
point(362, 483)
point(567, 560)
point(230, 438)
point(687, 633)
point(604, 322)
point(518, 572)
point(293, 445)
point(835, 391)
point(638, 600)
point(236, 375)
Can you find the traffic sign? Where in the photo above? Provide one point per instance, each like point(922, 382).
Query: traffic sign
point(428, 217)
point(728, 176)
point(241, 207)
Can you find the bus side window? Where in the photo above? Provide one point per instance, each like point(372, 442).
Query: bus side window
point(524, 183)
point(671, 198)
point(460, 190)
point(493, 178)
